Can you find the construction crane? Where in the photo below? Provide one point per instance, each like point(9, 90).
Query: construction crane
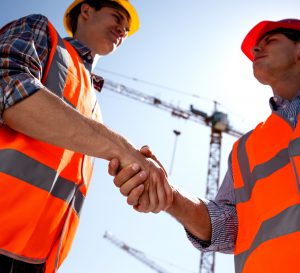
point(134, 252)
point(219, 124)
point(176, 133)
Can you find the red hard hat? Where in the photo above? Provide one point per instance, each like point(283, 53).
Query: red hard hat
point(256, 33)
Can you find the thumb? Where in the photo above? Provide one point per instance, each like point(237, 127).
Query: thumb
point(145, 150)
point(113, 166)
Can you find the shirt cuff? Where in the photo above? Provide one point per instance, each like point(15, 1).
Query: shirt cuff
point(224, 229)
point(17, 90)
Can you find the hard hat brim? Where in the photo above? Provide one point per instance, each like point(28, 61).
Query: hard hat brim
point(134, 23)
point(258, 31)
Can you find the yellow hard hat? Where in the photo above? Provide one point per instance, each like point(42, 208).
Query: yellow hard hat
point(134, 23)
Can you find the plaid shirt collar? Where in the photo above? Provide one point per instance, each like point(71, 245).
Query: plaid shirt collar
point(86, 54)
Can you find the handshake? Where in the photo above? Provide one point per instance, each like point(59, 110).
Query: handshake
point(146, 188)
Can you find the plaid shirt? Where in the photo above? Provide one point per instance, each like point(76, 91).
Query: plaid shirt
point(222, 210)
point(24, 48)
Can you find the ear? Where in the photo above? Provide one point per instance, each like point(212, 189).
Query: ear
point(298, 51)
point(84, 10)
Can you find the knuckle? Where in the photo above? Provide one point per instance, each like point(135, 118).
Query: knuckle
point(123, 191)
point(116, 182)
point(130, 202)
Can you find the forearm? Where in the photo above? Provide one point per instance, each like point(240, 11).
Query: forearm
point(223, 218)
point(192, 214)
point(46, 117)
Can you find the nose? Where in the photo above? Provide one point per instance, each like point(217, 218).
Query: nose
point(122, 31)
point(256, 49)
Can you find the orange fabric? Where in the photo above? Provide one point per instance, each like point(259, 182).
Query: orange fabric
point(267, 136)
point(39, 226)
point(270, 195)
point(268, 259)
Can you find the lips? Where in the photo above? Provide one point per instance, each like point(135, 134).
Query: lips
point(115, 38)
point(258, 57)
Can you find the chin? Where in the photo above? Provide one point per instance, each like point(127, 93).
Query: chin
point(261, 78)
point(107, 48)
point(104, 52)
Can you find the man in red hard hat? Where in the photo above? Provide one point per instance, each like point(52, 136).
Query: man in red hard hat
point(257, 209)
point(51, 128)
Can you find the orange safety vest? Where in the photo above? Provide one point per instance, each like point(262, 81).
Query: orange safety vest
point(43, 187)
point(266, 172)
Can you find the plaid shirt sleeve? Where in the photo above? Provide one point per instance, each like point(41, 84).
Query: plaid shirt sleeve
point(223, 217)
point(24, 46)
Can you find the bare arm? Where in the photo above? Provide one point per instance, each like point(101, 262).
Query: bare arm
point(28, 107)
point(189, 211)
point(46, 117)
point(211, 226)
point(192, 214)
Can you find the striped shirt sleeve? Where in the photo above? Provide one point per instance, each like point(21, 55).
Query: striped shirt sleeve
point(23, 54)
point(223, 217)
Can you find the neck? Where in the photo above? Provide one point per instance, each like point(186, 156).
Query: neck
point(286, 89)
point(286, 85)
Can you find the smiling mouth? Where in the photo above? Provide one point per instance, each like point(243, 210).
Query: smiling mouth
point(115, 38)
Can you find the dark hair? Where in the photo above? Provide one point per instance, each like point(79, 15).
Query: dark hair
point(292, 34)
point(97, 5)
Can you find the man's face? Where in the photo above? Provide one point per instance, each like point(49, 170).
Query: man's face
point(103, 30)
point(274, 56)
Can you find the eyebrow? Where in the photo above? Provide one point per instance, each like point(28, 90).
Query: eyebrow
point(123, 17)
point(266, 37)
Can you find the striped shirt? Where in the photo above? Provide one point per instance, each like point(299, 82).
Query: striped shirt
point(222, 210)
point(24, 48)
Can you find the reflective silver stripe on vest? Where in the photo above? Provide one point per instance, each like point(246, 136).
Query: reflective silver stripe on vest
point(271, 229)
point(56, 78)
point(260, 171)
point(294, 150)
point(58, 71)
point(294, 147)
point(244, 167)
point(21, 166)
point(78, 203)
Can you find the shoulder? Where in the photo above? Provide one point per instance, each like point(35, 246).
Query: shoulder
point(241, 140)
point(30, 19)
point(30, 23)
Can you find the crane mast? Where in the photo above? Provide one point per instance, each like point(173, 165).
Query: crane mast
point(219, 124)
point(134, 252)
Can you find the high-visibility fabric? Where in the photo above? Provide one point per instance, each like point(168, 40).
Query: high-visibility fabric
point(266, 170)
point(43, 187)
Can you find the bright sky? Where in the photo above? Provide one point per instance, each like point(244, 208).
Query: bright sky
point(188, 45)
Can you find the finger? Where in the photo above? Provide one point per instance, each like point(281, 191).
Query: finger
point(140, 208)
point(153, 196)
point(125, 174)
point(113, 166)
point(137, 208)
point(145, 150)
point(132, 183)
point(144, 200)
point(135, 194)
point(161, 196)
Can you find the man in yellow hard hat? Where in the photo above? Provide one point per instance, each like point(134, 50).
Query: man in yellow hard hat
point(51, 127)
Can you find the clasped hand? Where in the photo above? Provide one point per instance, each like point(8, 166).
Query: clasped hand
point(147, 190)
